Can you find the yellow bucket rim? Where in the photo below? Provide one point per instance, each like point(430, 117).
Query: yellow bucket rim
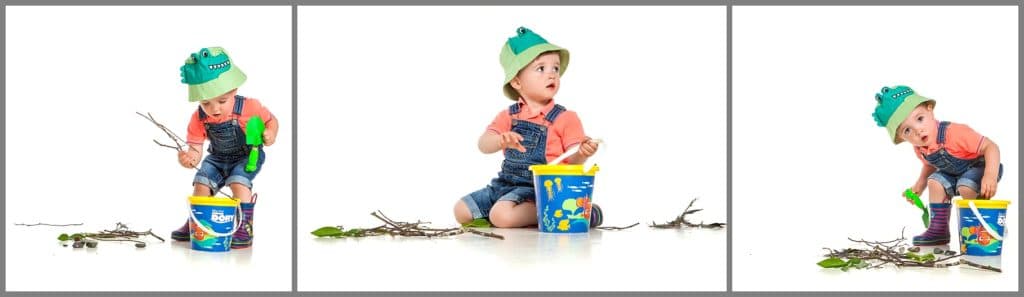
point(997, 204)
point(213, 201)
point(573, 169)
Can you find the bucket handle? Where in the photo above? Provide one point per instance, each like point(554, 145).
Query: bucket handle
point(238, 222)
point(974, 209)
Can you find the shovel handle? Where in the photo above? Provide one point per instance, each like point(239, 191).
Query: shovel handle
point(254, 158)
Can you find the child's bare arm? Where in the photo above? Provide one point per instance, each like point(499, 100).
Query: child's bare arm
point(270, 133)
point(190, 157)
point(491, 142)
point(990, 151)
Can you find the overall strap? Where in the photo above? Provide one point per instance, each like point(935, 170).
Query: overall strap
point(942, 132)
point(239, 102)
point(557, 110)
point(514, 109)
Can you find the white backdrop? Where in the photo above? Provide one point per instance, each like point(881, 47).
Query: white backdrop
point(392, 101)
point(810, 165)
point(77, 152)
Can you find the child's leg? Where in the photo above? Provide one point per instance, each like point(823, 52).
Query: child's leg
point(515, 208)
point(966, 192)
point(937, 191)
point(509, 214)
point(938, 227)
point(476, 205)
point(243, 237)
point(198, 189)
point(462, 213)
point(969, 184)
point(201, 190)
point(241, 192)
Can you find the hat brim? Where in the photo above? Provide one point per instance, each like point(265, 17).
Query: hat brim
point(902, 112)
point(227, 81)
point(524, 58)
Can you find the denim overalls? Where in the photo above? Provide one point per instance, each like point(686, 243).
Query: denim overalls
point(228, 153)
point(952, 169)
point(515, 181)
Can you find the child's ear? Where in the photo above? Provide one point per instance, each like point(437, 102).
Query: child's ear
point(515, 83)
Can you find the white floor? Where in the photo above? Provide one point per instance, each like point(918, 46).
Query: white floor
point(637, 259)
point(37, 262)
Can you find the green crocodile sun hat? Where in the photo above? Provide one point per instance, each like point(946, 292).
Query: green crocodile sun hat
point(520, 50)
point(210, 73)
point(894, 105)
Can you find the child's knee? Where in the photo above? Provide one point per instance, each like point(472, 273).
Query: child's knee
point(502, 216)
point(462, 213)
point(199, 189)
point(239, 190)
point(967, 192)
point(935, 186)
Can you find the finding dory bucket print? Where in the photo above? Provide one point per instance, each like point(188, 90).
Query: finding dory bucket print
point(564, 203)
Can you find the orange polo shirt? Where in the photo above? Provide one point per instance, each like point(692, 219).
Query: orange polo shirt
point(566, 131)
point(961, 142)
point(197, 133)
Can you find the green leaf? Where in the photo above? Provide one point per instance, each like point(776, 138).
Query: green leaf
point(63, 237)
point(327, 231)
point(854, 262)
point(832, 262)
point(921, 258)
point(478, 223)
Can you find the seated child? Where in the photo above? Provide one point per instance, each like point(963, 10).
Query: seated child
point(533, 130)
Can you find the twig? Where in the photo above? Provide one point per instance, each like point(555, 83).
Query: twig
point(980, 266)
point(121, 232)
point(612, 228)
point(47, 224)
point(179, 143)
point(407, 229)
point(487, 234)
point(681, 220)
point(895, 252)
point(150, 233)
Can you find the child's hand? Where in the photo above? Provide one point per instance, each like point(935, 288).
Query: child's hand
point(917, 188)
point(187, 160)
point(511, 140)
point(269, 136)
point(588, 148)
point(988, 186)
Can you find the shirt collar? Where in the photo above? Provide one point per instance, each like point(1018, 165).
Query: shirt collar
point(528, 112)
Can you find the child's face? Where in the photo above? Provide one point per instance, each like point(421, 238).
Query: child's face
point(220, 105)
point(919, 127)
point(539, 80)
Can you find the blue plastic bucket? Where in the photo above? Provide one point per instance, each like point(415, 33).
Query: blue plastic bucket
point(212, 222)
point(564, 195)
point(982, 226)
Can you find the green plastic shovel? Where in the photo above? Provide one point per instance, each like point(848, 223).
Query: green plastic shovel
point(920, 205)
point(254, 137)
